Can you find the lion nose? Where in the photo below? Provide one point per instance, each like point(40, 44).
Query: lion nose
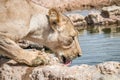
point(79, 54)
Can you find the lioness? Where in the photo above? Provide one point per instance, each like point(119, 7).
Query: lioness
point(23, 19)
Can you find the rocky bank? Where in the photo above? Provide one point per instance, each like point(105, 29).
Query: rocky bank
point(68, 5)
point(105, 17)
point(10, 70)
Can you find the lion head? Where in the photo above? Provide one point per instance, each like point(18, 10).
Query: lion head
point(63, 37)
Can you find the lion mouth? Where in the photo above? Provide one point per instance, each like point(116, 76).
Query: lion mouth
point(66, 61)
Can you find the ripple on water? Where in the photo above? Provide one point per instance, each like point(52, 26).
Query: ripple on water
point(97, 48)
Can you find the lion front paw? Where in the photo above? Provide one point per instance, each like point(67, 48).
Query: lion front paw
point(41, 59)
point(33, 58)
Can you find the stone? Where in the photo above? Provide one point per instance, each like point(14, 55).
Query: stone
point(94, 18)
point(65, 5)
point(108, 12)
point(108, 16)
point(56, 71)
point(77, 19)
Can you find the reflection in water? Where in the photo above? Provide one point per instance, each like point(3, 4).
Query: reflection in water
point(98, 45)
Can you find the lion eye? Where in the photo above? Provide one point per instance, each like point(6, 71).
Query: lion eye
point(54, 23)
point(68, 42)
point(73, 37)
point(71, 40)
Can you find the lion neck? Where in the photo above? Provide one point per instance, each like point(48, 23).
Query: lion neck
point(39, 29)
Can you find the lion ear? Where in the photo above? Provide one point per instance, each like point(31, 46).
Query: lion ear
point(53, 17)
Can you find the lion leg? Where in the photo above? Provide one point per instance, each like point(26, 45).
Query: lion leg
point(12, 50)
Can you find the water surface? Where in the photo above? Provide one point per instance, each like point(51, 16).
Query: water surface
point(98, 47)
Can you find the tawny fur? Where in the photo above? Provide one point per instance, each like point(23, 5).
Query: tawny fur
point(23, 19)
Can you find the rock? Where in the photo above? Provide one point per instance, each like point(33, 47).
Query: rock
point(94, 18)
point(110, 11)
point(65, 5)
point(111, 21)
point(103, 71)
point(108, 16)
point(77, 19)
point(111, 15)
point(115, 2)
point(109, 68)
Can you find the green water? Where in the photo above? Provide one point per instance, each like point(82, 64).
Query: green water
point(99, 46)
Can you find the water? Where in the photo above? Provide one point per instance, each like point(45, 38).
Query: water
point(83, 12)
point(98, 47)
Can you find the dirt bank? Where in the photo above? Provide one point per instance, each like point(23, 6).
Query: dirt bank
point(68, 5)
point(104, 71)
